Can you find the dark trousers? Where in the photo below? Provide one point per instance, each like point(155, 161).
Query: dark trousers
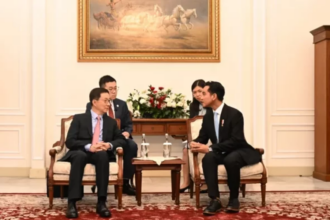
point(233, 163)
point(78, 160)
point(130, 151)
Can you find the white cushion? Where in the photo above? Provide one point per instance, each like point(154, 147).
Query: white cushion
point(246, 171)
point(65, 177)
point(64, 168)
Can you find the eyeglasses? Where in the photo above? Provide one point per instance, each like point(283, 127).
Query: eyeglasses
point(113, 89)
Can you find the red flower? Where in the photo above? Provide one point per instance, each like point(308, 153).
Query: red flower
point(159, 106)
point(155, 92)
point(160, 88)
point(152, 88)
point(152, 102)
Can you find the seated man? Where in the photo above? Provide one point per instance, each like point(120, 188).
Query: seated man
point(223, 125)
point(118, 109)
point(92, 138)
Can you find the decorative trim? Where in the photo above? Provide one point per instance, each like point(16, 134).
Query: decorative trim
point(289, 154)
point(20, 140)
point(283, 111)
point(290, 171)
point(38, 78)
point(259, 76)
point(14, 171)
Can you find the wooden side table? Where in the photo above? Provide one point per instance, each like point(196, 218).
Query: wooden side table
point(173, 165)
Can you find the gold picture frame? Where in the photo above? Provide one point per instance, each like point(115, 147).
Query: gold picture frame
point(146, 31)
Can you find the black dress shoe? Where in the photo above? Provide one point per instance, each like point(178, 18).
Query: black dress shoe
point(127, 189)
point(233, 206)
point(213, 208)
point(184, 189)
point(102, 210)
point(71, 212)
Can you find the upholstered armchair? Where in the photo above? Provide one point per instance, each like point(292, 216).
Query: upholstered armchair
point(249, 174)
point(58, 173)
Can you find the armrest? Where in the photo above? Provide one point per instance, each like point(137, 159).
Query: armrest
point(52, 152)
point(120, 154)
point(196, 168)
point(261, 150)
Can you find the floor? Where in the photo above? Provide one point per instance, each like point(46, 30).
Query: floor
point(162, 184)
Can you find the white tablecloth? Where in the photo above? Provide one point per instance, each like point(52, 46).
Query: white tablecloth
point(158, 160)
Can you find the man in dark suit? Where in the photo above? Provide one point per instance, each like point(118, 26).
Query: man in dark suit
point(224, 126)
point(118, 109)
point(92, 138)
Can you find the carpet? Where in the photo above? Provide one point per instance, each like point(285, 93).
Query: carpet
point(280, 206)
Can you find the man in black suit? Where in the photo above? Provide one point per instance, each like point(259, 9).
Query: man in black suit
point(224, 126)
point(92, 138)
point(118, 109)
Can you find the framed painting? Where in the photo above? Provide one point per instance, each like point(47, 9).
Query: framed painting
point(149, 30)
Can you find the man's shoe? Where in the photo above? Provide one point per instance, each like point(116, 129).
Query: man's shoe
point(71, 212)
point(213, 208)
point(128, 189)
point(102, 210)
point(233, 206)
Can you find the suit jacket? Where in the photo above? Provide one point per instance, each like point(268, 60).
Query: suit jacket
point(121, 112)
point(231, 134)
point(81, 133)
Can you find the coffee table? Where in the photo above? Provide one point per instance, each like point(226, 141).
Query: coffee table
point(148, 164)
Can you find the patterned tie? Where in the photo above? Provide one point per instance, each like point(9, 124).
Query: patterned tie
point(216, 125)
point(110, 111)
point(96, 134)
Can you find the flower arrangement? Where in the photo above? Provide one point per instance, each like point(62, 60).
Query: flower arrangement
point(158, 104)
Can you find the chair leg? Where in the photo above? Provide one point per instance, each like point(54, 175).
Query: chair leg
point(197, 191)
point(120, 196)
point(243, 187)
point(61, 188)
point(51, 195)
point(263, 194)
point(191, 189)
point(116, 191)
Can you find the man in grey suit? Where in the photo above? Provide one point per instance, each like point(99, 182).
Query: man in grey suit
point(118, 109)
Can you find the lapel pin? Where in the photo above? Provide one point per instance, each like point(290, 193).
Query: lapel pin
point(117, 106)
point(222, 122)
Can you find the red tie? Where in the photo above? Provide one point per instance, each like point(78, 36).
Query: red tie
point(96, 134)
point(111, 112)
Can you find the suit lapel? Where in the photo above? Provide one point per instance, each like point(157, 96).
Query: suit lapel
point(89, 123)
point(222, 121)
point(105, 126)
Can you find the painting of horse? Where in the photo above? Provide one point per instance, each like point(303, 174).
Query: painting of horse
point(138, 28)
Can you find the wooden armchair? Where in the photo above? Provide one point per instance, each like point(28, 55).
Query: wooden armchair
point(58, 173)
point(249, 174)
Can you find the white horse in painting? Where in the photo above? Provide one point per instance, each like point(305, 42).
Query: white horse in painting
point(185, 18)
point(154, 20)
point(174, 19)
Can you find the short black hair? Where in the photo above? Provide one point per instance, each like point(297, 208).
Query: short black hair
point(95, 94)
point(105, 79)
point(217, 88)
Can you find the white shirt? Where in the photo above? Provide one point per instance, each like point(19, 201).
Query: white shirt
point(202, 110)
point(219, 111)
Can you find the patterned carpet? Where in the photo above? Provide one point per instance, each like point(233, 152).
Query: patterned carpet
point(280, 206)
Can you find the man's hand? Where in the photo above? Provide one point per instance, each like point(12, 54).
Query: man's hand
point(96, 147)
point(199, 148)
point(106, 146)
point(126, 134)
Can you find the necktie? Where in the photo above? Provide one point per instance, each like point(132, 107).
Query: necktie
point(110, 111)
point(216, 125)
point(96, 134)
